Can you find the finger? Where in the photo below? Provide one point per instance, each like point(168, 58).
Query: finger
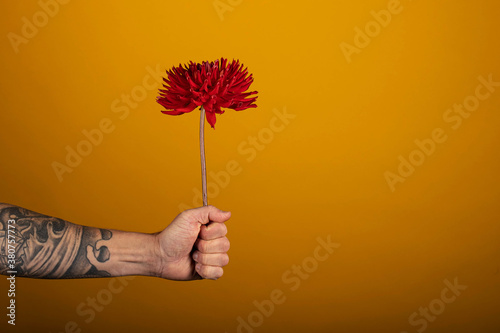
point(213, 230)
point(218, 245)
point(211, 259)
point(208, 214)
point(209, 272)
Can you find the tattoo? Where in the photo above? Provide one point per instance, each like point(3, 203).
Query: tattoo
point(51, 248)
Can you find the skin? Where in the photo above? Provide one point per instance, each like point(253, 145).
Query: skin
point(193, 246)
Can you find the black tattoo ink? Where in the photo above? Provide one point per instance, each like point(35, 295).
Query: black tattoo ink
point(49, 247)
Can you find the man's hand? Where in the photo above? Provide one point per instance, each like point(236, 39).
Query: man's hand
point(194, 245)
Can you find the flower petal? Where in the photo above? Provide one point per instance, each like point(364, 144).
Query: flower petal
point(215, 85)
point(173, 113)
point(211, 118)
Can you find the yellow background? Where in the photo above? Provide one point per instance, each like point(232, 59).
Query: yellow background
point(322, 175)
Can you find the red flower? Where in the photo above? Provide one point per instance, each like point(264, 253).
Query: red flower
point(213, 85)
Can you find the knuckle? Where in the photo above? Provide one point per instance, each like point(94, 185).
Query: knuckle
point(219, 272)
point(226, 244)
point(225, 260)
point(203, 271)
point(202, 245)
point(223, 229)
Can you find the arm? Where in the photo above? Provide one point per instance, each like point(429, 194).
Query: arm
point(193, 246)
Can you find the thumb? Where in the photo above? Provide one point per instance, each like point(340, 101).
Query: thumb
point(208, 214)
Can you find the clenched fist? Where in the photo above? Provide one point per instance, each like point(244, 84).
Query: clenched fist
point(194, 245)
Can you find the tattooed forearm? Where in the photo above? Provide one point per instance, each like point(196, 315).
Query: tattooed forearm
point(89, 251)
point(51, 248)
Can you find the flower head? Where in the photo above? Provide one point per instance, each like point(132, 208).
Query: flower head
point(213, 85)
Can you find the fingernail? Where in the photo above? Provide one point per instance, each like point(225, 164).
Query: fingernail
point(195, 256)
point(198, 267)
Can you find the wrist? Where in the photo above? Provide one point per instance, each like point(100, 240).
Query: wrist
point(156, 263)
point(148, 258)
